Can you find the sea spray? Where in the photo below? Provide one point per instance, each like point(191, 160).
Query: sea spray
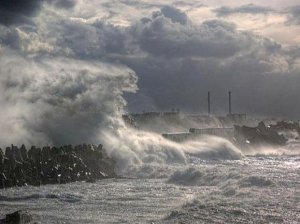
point(292, 148)
point(55, 101)
point(134, 149)
point(213, 148)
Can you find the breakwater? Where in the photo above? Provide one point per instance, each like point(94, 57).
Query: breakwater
point(53, 165)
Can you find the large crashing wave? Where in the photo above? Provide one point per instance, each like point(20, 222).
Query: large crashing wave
point(55, 101)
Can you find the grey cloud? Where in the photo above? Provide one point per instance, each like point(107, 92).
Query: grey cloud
point(245, 9)
point(10, 37)
point(69, 38)
point(186, 60)
point(258, 87)
point(167, 34)
point(63, 3)
point(293, 15)
point(176, 63)
point(96, 41)
point(174, 14)
point(163, 37)
point(133, 3)
point(193, 4)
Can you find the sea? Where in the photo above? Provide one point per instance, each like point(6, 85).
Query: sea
point(261, 187)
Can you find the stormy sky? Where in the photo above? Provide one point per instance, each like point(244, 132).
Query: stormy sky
point(167, 54)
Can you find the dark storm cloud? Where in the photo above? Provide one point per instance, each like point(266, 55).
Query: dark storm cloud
point(244, 9)
point(15, 11)
point(185, 61)
point(167, 34)
point(178, 61)
point(20, 11)
point(183, 83)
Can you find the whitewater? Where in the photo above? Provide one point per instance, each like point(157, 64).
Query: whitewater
point(195, 182)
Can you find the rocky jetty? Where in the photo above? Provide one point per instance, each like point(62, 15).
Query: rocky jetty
point(259, 135)
point(53, 165)
point(283, 126)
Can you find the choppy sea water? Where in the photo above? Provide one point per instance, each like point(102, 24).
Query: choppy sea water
point(256, 189)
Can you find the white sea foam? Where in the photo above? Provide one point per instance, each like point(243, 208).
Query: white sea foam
point(135, 149)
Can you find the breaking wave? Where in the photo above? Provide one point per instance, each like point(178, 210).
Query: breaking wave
point(56, 101)
point(138, 150)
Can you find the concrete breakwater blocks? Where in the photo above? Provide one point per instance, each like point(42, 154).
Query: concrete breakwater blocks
point(54, 165)
point(18, 217)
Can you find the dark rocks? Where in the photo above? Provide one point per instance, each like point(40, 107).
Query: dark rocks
point(259, 135)
point(54, 165)
point(18, 217)
point(284, 126)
